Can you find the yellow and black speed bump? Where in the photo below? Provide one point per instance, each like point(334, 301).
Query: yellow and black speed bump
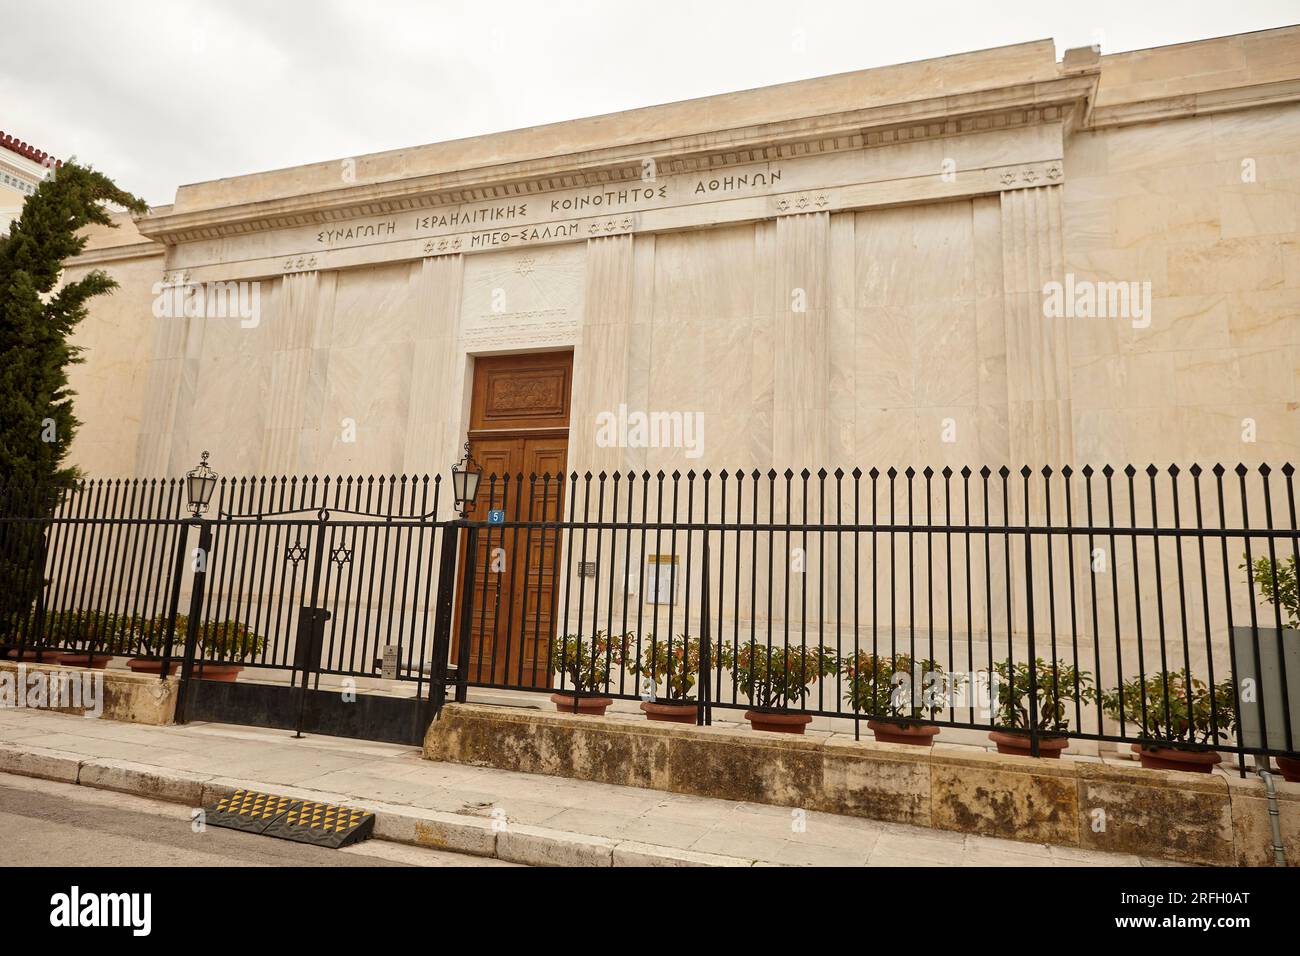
point(322, 824)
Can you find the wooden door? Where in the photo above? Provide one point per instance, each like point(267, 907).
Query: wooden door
point(518, 428)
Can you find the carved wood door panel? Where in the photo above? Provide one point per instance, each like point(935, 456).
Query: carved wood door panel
point(519, 426)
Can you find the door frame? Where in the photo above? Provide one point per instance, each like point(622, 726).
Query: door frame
point(515, 431)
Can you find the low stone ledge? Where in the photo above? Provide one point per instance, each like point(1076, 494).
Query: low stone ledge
point(124, 776)
point(127, 696)
point(1167, 813)
point(437, 829)
point(1116, 807)
point(1018, 798)
point(1252, 833)
point(632, 853)
point(538, 846)
point(863, 778)
point(38, 762)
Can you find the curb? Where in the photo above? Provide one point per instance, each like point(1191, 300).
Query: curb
point(415, 826)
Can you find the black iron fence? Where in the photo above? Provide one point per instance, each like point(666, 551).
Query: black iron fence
point(1153, 606)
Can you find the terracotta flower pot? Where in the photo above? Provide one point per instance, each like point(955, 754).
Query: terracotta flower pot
point(1290, 767)
point(226, 673)
point(673, 713)
point(97, 661)
point(32, 655)
point(780, 723)
point(586, 705)
point(918, 735)
point(1171, 758)
point(144, 665)
point(1016, 744)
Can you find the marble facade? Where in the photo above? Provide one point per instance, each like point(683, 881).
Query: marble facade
point(844, 271)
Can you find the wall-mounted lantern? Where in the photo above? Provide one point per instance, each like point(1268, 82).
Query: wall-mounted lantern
point(465, 476)
point(199, 485)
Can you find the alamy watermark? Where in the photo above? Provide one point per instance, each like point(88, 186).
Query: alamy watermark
point(1086, 299)
point(59, 690)
point(922, 689)
point(636, 429)
point(74, 909)
point(210, 300)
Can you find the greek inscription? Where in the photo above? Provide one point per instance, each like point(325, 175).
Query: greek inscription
point(469, 217)
point(368, 231)
point(726, 184)
point(487, 240)
point(612, 197)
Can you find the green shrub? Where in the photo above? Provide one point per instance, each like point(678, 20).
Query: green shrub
point(882, 687)
point(1189, 702)
point(135, 634)
point(774, 678)
point(585, 662)
point(1262, 574)
point(1054, 690)
point(677, 671)
point(224, 640)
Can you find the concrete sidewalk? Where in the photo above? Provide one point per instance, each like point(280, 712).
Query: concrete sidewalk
point(521, 818)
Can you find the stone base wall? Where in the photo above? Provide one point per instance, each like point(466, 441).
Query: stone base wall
point(129, 697)
point(1216, 819)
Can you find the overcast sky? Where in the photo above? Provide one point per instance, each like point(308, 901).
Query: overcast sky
point(158, 94)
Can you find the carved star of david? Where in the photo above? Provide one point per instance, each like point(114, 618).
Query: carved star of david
point(525, 266)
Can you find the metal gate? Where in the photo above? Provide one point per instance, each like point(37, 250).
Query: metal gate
point(1121, 597)
point(339, 618)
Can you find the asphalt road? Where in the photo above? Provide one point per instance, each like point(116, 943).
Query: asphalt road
point(43, 823)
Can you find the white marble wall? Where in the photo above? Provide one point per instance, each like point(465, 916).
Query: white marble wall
point(905, 335)
point(1166, 203)
point(113, 396)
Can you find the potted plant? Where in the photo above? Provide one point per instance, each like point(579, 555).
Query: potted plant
point(1056, 686)
point(149, 635)
point(676, 665)
point(885, 689)
point(584, 663)
point(32, 654)
point(1177, 727)
point(40, 645)
point(1279, 653)
point(99, 634)
point(776, 677)
point(103, 635)
point(227, 641)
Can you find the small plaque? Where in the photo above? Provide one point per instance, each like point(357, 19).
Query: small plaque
point(389, 668)
point(497, 516)
point(586, 569)
point(661, 579)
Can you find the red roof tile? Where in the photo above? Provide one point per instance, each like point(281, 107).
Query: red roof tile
point(14, 145)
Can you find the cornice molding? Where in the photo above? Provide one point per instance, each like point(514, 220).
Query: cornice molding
point(1196, 104)
point(114, 254)
point(1003, 108)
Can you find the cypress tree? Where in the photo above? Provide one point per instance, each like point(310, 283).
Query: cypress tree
point(37, 316)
